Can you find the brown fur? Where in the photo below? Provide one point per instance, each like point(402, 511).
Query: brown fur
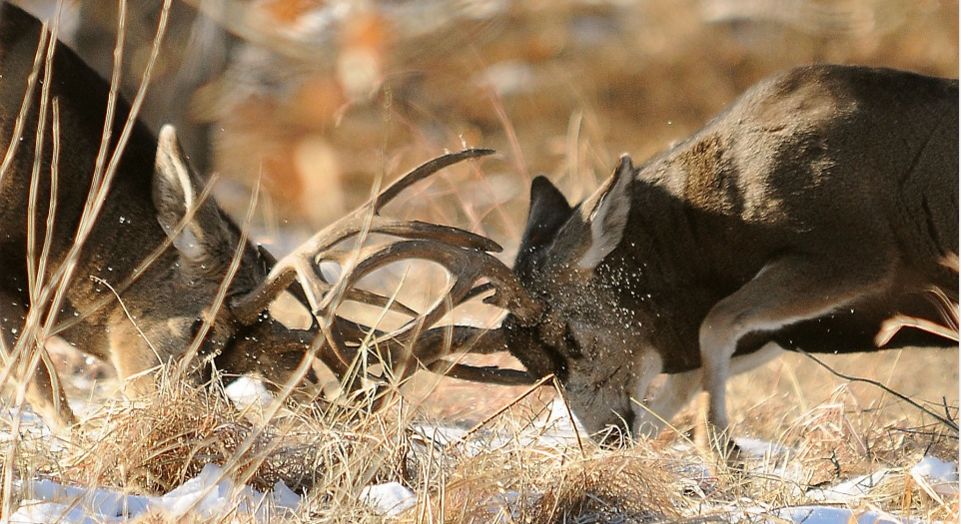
point(820, 204)
point(163, 309)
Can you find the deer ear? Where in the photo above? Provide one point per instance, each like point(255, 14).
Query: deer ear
point(606, 213)
point(548, 212)
point(175, 193)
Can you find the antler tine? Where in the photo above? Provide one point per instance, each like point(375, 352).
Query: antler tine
point(413, 229)
point(301, 263)
point(465, 266)
point(372, 258)
point(352, 224)
point(375, 299)
point(479, 290)
point(435, 343)
point(423, 171)
point(485, 374)
point(333, 350)
point(430, 346)
point(427, 351)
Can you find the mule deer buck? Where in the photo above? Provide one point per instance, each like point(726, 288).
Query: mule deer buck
point(819, 212)
point(147, 269)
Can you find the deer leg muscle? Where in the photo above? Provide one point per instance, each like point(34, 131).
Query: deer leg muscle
point(786, 291)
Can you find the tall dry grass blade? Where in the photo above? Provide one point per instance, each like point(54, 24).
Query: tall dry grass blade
point(64, 273)
point(14, 364)
point(51, 296)
point(570, 414)
point(47, 302)
point(573, 145)
point(129, 316)
point(27, 102)
point(52, 204)
point(218, 300)
point(503, 409)
point(39, 143)
point(520, 163)
point(112, 97)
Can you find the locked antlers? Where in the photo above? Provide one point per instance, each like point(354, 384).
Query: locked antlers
point(465, 255)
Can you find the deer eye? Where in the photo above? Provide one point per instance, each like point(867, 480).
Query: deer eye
point(570, 340)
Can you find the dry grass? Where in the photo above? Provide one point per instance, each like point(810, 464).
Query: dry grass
point(503, 472)
point(154, 446)
point(832, 430)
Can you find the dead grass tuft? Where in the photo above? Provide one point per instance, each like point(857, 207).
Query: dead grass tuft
point(154, 445)
point(622, 486)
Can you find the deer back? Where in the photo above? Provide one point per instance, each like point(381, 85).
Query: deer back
point(842, 163)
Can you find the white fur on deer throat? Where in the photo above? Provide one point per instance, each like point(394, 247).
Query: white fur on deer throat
point(647, 366)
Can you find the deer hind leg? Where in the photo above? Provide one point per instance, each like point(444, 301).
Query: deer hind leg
point(786, 291)
point(44, 392)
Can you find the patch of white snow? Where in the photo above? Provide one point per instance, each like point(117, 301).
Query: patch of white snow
point(246, 392)
point(209, 495)
point(389, 499)
point(937, 475)
point(830, 515)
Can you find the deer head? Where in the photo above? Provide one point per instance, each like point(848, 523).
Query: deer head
point(579, 328)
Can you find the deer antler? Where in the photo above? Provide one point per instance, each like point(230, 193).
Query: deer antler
point(465, 255)
point(303, 263)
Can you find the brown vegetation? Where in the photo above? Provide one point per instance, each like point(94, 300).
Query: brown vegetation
point(560, 87)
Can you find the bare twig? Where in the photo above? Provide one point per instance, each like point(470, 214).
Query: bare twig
point(503, 409)
point(947, 422)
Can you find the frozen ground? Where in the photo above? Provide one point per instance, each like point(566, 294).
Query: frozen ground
point(214, 496)
point(209, 495)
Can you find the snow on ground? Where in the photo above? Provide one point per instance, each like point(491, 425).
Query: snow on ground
point(557, 428)
point(554, 429)
point(246, 392)
point(833, 515)
point(936, 476)
point(848, 490)
point(760, 448)
point(389, 499)
point(209, 495)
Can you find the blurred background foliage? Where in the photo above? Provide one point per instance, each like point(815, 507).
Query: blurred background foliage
point(319, 96)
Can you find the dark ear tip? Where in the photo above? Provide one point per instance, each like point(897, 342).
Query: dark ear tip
point(625, 162)
point(542, 188)
point(540, 183)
